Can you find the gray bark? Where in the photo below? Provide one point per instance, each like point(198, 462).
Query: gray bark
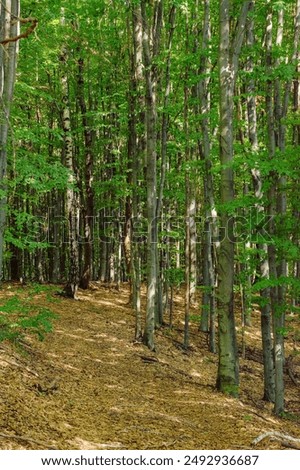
point(9, 9)
point(228, 370)
point(72, 206)
point(136, 151)
point(203, 94)
point(150, 50)
point(265, 308)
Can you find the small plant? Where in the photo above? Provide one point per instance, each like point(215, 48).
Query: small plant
point(20, 316)
point(195, 318)
point(247, 418)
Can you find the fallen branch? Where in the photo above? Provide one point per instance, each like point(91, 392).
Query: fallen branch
point(24, 35)
point(278, 436)
point(149, 359)
point(28, 439)
point(20, 366)
point(290, 445)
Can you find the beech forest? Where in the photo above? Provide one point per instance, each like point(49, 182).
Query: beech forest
point(149, 224)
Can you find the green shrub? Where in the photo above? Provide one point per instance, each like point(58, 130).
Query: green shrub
point(20, 316)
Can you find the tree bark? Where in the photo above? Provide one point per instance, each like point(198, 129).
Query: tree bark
point(87, 189)
point(72, 208)
point(9, 10)
point(229, 51)
point(151, 156)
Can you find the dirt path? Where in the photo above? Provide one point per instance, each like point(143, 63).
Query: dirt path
point(88, 386)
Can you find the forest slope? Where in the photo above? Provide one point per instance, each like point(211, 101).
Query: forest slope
point(89, 386)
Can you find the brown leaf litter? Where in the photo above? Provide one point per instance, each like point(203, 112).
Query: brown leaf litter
point(88, 385)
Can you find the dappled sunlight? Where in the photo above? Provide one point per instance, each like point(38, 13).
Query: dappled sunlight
point(111, 393)
point(68, 366)
point(183, 392)
point(195, 373)
point(71, 335)
point(109, 303)
point(82, 444)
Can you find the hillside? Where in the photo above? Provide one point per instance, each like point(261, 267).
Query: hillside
point(89, 386)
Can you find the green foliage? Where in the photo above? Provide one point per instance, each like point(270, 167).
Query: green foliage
point(20, 316)
point(195, 318)
point(231, 390)
point(175, 276)
point(248, 418)
point(264, 283)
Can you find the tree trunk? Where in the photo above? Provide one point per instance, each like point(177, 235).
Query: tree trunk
point(87, 190)
point(203, 95)
point(135, 150)
point(72, 209)
point(9, 10)
point(151, 141)
point(228, 370)
point(265, 308)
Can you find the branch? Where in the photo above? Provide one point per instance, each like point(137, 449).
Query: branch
point(278, 436)
point(24, 35)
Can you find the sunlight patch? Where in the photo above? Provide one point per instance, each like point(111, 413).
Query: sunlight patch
point(89, 445)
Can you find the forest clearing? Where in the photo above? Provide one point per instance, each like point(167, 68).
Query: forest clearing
point(88, 385)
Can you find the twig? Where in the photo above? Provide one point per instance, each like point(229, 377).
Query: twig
point(260, 416)
point(149, 359)
point(20, 366)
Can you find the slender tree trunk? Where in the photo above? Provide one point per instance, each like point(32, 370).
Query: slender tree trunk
point(87, 190)
point(228, 371)
point(72, 209)
point(265, 308)
point(136, 149)
point(203, 94)
point(9, 10)
point(150, 85)
point(161, 293)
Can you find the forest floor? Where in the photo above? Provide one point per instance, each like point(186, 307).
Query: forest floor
point(88, 385)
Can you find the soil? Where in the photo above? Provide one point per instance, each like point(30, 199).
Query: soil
point(88, 385)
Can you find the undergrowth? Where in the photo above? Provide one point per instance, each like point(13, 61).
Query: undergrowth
point(20, 316)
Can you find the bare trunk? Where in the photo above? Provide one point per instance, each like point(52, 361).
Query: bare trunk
point(265, 308)
point(137, 147)
point(72, 209)
point(203, 94)
point(9, 10)
point(228, 371)
point(87, 190)
point(150, 87)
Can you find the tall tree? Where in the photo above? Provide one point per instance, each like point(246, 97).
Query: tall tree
point(229, 51)
point(9, 45)
point(152, 24)
point(72, 206)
